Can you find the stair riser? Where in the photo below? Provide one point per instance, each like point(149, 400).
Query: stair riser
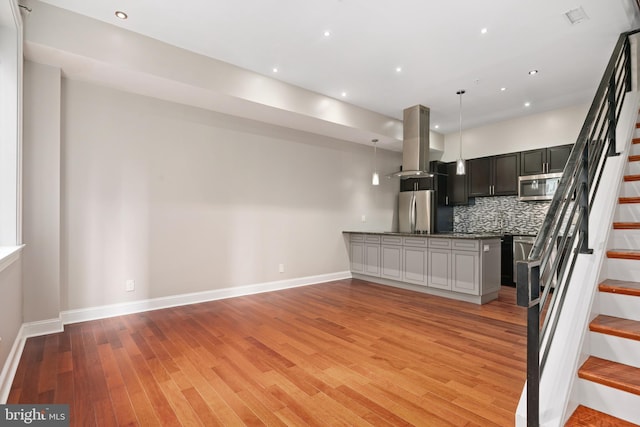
point(624, 239)
point(623, 269)
point(624, 306)
point(630, 189)
point(634, 149)
point(609, 400)
point(633, 168)
point(616, 349)
point(628, 212)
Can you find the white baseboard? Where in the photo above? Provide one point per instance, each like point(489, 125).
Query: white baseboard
point(11, 365)
point(101, 312)
point(42, 327)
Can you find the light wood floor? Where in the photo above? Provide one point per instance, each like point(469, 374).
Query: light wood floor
point(340, 353)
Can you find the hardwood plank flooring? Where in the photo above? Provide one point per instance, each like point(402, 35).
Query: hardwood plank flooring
point(624, 254)
point(629, 200)
point(620, 287)
point(611, 374)
point(587, 417)
point(624, 328)
point(626, 225)
point(348, 352)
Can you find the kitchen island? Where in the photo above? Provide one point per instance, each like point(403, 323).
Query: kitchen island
point(465, 267)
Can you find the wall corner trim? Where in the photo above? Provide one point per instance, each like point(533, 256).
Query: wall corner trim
point(11, 365)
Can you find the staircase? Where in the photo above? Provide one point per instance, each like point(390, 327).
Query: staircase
point(608, 385)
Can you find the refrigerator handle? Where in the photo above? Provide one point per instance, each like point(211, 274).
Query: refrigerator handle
point(412, 212)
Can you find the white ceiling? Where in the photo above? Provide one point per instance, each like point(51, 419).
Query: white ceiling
point(438, 44)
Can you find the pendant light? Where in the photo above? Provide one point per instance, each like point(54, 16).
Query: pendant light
point(375, 179)
point(460, 166)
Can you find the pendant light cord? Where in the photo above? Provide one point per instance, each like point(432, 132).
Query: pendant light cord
point(461, 92)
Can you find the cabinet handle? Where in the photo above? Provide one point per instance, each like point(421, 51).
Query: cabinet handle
point(446, 200)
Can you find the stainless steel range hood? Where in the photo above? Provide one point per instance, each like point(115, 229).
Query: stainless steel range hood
point(415, 143)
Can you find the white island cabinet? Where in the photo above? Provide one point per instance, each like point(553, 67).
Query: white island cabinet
point(464, 267)
point(391, 257)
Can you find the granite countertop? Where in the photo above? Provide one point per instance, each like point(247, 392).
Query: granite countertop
point(474, 236)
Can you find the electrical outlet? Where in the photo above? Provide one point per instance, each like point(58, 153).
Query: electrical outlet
point(130, 285)
point(281, 268)
point(364, 218)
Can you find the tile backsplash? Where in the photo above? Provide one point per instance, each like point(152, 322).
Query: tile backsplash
point(504, 214)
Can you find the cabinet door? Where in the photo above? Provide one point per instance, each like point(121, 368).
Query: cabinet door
point(479, 171)
point(357, 257)
point(533, 162)
point(391, 262)
point(439, 269)
point(414, 265)
point(557, 157)
point(456, 187)
point(465, 272)
point(417, 184)
point(372, 259)
point(506, 169)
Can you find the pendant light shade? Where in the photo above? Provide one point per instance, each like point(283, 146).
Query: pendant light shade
point(460, 164)
point(375, 179)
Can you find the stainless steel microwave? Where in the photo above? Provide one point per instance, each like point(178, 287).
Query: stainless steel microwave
point(538, 187)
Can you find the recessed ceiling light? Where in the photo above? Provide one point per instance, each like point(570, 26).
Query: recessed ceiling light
point(437, 126)
point(483, 31)
point(344, 94)
point(398, 69)
point(527, 104)
point(275, 70)
point(533, 72)
point(327, 33)
point(502, 89)
point(120, 14)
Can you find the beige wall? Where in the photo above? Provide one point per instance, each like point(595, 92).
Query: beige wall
point(10, 308)
point(41, 192)
point(186, 200)
point(556, 127)
point(183, 200)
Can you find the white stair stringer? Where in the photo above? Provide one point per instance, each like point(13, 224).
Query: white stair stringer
point(609, 400)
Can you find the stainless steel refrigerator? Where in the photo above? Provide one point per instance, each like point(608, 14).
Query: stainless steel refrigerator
point(416, 211)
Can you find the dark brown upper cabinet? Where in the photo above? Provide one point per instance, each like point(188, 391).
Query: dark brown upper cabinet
point(545, 160)
point(494, 176)
point(457, 191)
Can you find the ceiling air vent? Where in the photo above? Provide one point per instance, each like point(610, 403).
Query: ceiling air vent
point(576, 16)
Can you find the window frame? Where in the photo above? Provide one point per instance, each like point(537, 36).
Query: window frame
point(11, 65)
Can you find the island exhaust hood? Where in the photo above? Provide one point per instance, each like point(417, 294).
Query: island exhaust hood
point(415, 143)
